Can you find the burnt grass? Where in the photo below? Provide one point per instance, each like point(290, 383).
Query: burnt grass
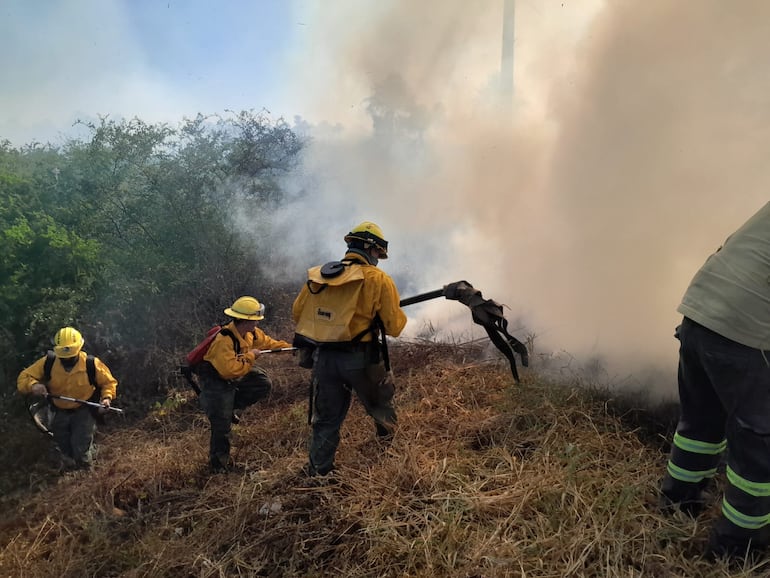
point(483, 478)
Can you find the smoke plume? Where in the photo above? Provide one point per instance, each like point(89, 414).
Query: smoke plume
point(632, 149)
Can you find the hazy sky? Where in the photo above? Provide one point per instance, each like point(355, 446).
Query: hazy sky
point(634, 144)
point(164, 59)
point(156, 59)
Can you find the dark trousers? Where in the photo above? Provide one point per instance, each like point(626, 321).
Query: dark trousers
point(724, 391)
point(73, 431)
point(337, 373)
point(219, 398)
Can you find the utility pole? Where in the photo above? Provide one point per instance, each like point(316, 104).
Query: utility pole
point(506, 62)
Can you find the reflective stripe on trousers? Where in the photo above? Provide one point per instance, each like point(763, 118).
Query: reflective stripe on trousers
point(724, 391)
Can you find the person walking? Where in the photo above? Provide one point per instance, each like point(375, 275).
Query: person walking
point(340, 312)
point(69, 371)
point(230, 380)
point(724, 391)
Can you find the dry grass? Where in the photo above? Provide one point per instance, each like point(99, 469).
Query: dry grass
point(483, 479)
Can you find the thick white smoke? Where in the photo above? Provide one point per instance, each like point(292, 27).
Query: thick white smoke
point(634, 149)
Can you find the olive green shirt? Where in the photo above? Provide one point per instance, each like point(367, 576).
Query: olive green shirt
point(730, 294)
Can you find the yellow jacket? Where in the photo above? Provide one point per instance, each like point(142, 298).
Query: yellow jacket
point(72, 383)
point(222, 356)
point(378, 296)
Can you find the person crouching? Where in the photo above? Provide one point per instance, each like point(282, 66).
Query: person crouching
point(230, 380)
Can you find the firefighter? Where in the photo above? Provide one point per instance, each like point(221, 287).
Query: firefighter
point(68, 371)
point(336, 311)
point(724, 391)
point(230, 380)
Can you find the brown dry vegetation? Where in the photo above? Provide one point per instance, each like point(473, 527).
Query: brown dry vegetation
point(484, 479)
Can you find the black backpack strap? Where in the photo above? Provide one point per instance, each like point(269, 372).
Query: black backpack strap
point(384, 344)
point(236, 343)
point(50, 357)
point(91, 371)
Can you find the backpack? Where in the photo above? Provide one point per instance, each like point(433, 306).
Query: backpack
point(331, 303)
point(194, 358)
point(50, 357)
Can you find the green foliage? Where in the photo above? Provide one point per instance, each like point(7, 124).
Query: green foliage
point(47, 271)
point(132, 236)
point(168, 405)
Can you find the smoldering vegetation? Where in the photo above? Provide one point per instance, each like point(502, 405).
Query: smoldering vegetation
point(483, 478)
point(631, 147)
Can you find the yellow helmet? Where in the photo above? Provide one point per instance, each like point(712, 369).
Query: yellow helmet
point(67, 342)
point(246, 308)
point(369, 233)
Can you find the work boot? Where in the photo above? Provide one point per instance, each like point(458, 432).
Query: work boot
point(83, 465)
point(384, 434)
point(319, 478)
point(686, 497)
point(309, 471)
point(728, 541)
point(220, 464)
point(66, 463)
point(229, 468)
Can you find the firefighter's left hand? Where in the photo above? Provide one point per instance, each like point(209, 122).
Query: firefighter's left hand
point(105, 405)
point(39, 389)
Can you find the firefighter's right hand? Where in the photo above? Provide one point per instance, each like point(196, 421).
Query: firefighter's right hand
point(256, 353)
point(38, 389)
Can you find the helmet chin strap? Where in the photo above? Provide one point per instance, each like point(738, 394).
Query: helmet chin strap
point(372, 259)
point(365, 253)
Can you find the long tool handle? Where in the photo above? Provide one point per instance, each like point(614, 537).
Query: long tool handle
point(84, 402)
point(422, 297)
point(279, 350)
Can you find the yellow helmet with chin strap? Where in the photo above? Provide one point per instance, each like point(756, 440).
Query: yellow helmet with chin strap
point(246, 308)
point(369, 232)
point(67, 342)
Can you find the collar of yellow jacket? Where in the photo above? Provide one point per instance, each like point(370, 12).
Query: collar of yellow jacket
point(357, 257)
point(238, 334)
